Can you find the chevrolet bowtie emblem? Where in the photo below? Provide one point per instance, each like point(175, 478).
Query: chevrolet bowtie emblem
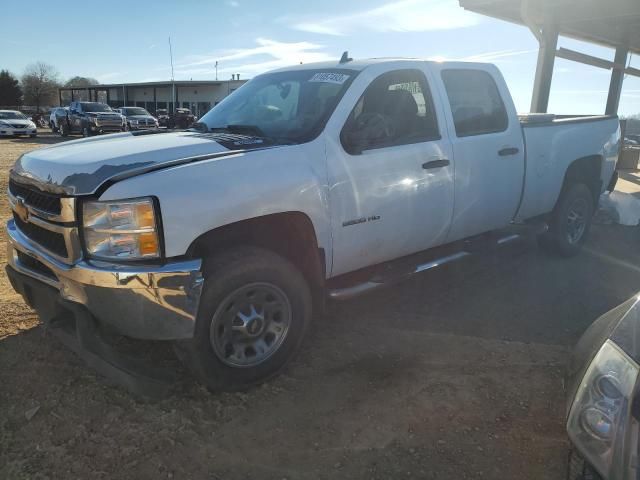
point(21, 210)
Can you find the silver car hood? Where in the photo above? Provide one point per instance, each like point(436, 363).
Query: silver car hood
point(81, 167)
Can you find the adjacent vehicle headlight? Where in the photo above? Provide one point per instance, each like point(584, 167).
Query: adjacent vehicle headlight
point(600, 411)
point(125, 230)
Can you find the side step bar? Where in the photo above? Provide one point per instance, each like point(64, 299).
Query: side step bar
point(378, 281)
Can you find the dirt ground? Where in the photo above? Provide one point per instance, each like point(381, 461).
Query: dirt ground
point(456, 374)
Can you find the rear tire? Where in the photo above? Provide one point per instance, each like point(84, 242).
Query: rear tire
point(254, 311)
point(570, 221)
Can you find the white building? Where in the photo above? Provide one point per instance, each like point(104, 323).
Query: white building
point(197, 95)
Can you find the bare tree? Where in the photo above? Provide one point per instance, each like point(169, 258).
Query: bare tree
point(40, 84)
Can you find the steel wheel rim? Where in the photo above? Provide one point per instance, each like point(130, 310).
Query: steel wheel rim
point(250, 325)
point(577, 220)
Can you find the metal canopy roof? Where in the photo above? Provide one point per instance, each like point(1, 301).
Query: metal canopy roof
point(612, 23)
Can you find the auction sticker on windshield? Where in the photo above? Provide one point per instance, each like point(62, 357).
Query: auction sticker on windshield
point(329, 77)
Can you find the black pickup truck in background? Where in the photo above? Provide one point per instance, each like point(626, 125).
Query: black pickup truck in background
point(90, 118)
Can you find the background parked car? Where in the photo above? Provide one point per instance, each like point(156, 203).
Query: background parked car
point(90, 118)
point(14, 123)
point(181, 118)
point(137, 118)
point(162, 114)
point(57, 115)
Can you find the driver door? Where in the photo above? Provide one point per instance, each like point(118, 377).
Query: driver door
point(390, 173)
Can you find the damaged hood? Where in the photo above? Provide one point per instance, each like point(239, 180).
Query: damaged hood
point(80, 167)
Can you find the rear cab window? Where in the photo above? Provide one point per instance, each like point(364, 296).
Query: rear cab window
point(475, 102)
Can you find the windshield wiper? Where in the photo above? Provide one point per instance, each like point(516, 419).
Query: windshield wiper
point(251, 130)
point(239, 128)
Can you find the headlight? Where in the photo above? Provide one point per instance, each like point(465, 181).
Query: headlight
point(121, 230)
point(133, 122)
point(93, 119)
point(600, 411)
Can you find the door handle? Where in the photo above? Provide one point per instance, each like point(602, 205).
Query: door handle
point(508, 151)
point(443, 162)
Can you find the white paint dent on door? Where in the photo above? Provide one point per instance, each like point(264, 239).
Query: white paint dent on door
point(383, 203)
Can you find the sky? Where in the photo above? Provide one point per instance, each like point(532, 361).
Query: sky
point(127, 41)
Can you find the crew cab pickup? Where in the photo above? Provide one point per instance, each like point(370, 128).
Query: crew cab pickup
point(90, 118)
point(320, 180)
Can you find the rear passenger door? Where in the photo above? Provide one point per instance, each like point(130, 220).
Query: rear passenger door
point(390, 174)
point(488, 148)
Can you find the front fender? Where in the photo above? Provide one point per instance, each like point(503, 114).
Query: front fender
point(198, 197)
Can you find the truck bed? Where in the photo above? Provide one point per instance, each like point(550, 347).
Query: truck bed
point(552, 142)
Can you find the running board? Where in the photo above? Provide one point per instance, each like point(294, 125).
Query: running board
point(379, 281)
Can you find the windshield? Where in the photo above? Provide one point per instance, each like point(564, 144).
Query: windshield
point(12, 116)
point(292, 105)
point(135, 111)
point(95, 107)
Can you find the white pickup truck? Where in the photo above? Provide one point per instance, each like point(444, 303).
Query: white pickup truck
point(320, 180)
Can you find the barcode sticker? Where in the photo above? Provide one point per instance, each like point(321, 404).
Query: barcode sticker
point(329, 77)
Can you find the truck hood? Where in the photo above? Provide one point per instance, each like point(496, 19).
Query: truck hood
point(80, 167)
point(140, 117)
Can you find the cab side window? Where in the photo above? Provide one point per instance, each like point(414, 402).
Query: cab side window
point(395, 109)
point(475, 102)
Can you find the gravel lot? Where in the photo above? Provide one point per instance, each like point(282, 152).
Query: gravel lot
point(457, 374)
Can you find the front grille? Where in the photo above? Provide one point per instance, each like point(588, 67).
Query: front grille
point(52, 241)
point(17, 125)
point(35, 198)
point(35, 265)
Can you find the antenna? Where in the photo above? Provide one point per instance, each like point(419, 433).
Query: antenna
point(171, 58)
point(345, 57)
point(173, 83)
point(216, 70)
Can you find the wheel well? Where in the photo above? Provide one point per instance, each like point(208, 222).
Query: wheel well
point(289, 234)
point(585, 170)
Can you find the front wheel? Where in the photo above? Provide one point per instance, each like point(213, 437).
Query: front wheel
point(63, 130)
point(254, 311)
point(570, 221)
point(86, 131)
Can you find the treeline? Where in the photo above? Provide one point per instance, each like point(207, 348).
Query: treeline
point(37, 86)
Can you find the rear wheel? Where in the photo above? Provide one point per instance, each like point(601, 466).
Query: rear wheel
point(254, 311)
point(570, 221)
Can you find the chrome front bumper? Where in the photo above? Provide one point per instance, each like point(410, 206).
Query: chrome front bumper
point(158, 302)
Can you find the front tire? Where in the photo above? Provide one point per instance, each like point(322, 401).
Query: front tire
point(254, 311)
point(570, 221)
point(86, 131)
point(63, 130)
